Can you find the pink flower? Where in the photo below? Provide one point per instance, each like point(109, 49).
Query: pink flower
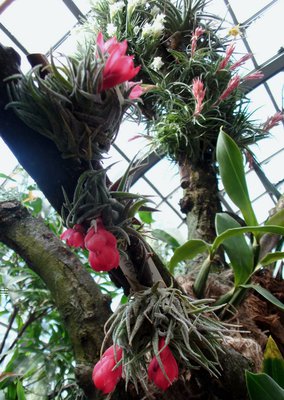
point(106, 373)
point(119, 67)
point(198, 92)
point(254, 75)
point(136, 90)
point(229, 51)
point(74, 236)
point(240, 62)
point(102, 246)
point(273, 121)
point(232, 85)
point(155, 372)
point(197, 33)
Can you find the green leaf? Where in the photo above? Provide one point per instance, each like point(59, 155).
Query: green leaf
point(165, 237)
point(4, 176)
point(146, 217)
point(188, 251)
point(273, 362)
point(236, 231)
point(270, 258)
point(276, 219)
point(266, 294)
point(263, 387)
point(232, 174)
point(242, 260)
point(20, 391)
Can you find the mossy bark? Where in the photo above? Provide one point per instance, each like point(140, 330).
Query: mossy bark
point(83, 308)
point(200, 201)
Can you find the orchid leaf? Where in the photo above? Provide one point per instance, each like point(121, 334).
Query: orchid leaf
point(266, 294)
point(263, 387)
point(20, 391)
point(188, 251)
point(276, 219)
point(236, 231)
point(238, 250)
point(273, 362)
point(164, 236)
point(146, 217)
point(271, 258)
point(232, 174)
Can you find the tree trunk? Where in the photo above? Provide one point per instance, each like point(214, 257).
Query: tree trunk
point(200, 202)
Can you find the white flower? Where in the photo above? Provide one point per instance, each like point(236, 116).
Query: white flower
point(157, 63)
point(158, 24)
point(147, 29)
point(115, 8)
point(111, 29)
point(155, 10)
point(132, 4)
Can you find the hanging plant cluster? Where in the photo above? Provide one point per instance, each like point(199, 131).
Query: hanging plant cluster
point(80, 102)
point(191, 63)
point(159, 336)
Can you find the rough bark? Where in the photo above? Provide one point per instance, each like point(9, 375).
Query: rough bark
point(82, 306)
point(200, 201)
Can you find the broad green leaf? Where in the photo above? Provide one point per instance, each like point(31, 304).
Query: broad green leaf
point(232, 174)
point(146, 217)
point(273, 362)
point(266, 294)
point(270, 258)
point(188, 251)
point(263, 387)
point(276, 219)
point(165, 237)
point(20, 391)
point(238, 250)
point(236, 231)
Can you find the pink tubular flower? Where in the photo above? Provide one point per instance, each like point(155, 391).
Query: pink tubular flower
point(119, 67)
point(197, 33)
point(232, 85)
point(74, 236)
point(241, 61)
point(273, 121)
point(155, 372)
point(102, 246)
point(136, 90)
point(229, 51)
point(106, 373)
point(254, 75)
point(198, 92)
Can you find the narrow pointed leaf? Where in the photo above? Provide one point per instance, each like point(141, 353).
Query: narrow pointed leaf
point(238, 250)
point(271, 258)
point(263, 387)
point(165, 237)
point(266, 294)
point(232, 174)
point(273, 362)
point(188, 251)
point(253, 229)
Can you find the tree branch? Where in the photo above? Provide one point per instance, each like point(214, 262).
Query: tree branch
point(83, 308)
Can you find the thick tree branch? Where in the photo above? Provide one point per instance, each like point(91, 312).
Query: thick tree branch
point(83, 308)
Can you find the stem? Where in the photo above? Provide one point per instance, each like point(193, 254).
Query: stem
point(200, 281)
point(9, 327)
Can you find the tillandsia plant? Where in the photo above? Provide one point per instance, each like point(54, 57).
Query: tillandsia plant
point(246, 256)
point(159, 336)
point(79, 102)
point(189, 58)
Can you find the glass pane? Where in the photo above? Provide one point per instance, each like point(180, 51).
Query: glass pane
point(164, 176)
point(265, 34)
point(38, 24)
point(245, 11)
